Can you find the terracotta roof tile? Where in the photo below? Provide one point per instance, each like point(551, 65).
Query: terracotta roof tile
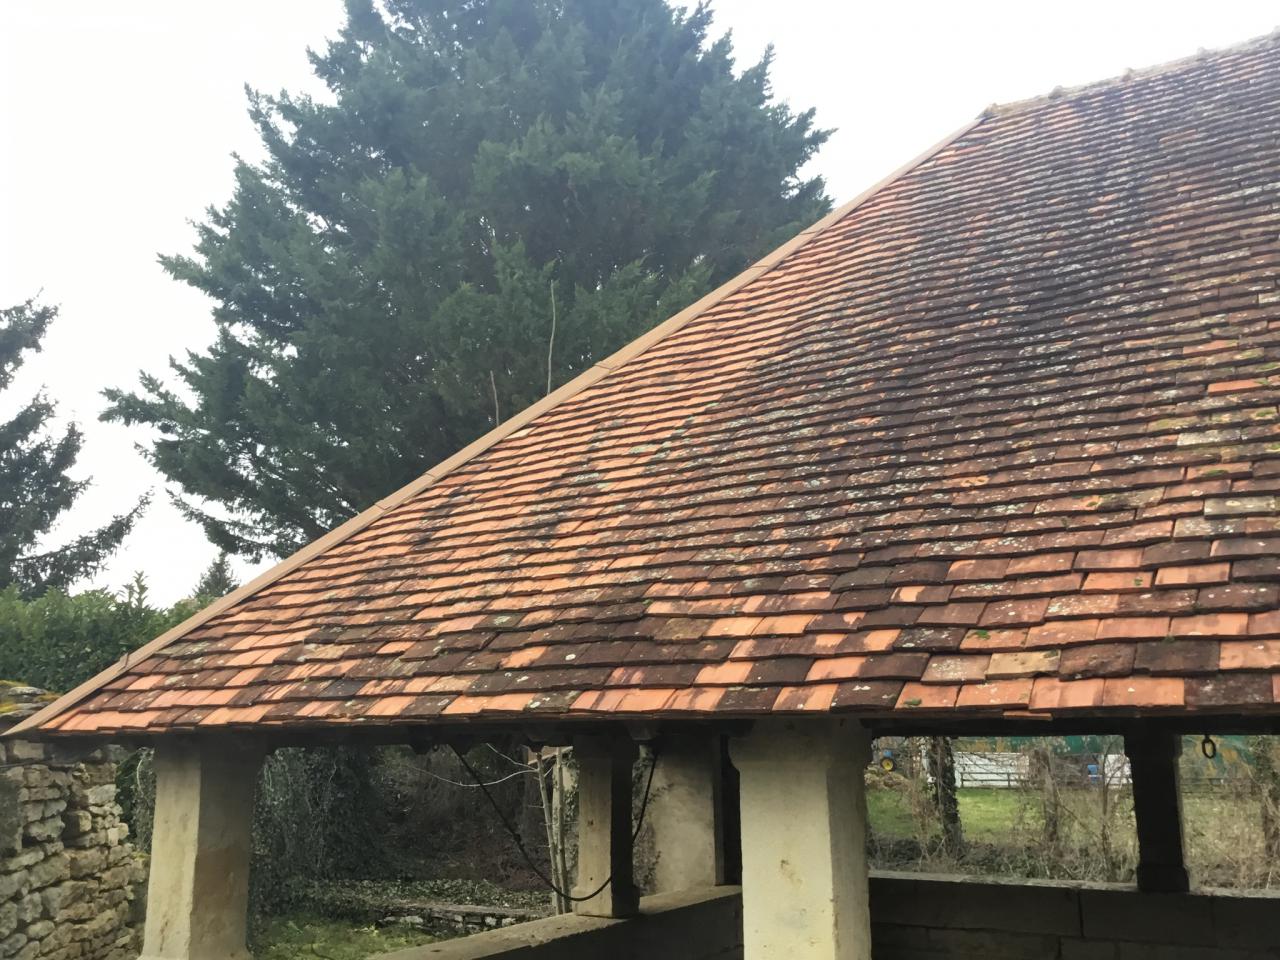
point(999, 435)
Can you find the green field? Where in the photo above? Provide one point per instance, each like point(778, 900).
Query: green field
point(986, 814)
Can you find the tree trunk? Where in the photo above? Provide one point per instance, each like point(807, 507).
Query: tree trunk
point(560, 798)
point(942, 763)
point(558, 903)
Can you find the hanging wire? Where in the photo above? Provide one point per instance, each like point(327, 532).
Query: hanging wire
point(515, 834)
point(472, 786)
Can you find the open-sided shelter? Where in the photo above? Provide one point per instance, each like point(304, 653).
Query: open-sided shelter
point(993, 448)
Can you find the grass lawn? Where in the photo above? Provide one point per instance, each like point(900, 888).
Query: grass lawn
point(304, 935)
point(987, 814)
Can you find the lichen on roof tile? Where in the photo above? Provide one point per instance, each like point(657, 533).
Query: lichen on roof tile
point(1002, 435)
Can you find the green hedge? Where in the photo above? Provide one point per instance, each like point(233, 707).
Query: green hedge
point(58, 640)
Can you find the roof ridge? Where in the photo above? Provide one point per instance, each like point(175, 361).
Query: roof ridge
point(519, 421)
point(1141, 73)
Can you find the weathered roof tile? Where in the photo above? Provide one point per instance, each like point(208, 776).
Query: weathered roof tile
point(1001, 435)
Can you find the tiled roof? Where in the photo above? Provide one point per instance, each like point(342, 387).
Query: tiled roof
point(1001, 438)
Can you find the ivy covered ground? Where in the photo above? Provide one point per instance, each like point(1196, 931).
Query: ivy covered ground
point(306, 935)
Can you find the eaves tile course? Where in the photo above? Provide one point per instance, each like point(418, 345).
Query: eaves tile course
point(1000, 437)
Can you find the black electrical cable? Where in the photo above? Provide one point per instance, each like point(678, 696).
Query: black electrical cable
point(515, 834)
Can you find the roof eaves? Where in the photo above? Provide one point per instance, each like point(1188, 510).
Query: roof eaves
point(517, 422)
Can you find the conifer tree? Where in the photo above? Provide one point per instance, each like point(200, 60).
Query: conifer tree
point(216, 581)
point(35, 489)
point(386, 283)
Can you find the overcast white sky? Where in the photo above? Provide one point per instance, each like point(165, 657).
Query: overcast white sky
point(117, 122)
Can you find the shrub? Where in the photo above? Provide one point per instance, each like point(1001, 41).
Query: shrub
point(58, 640)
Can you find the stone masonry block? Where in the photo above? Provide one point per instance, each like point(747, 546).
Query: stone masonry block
point(25, 751)
point(8, 918)
point(959, 903)
point(1248, 922)
point(50, 871)
point(1128, 916)
point(1073, 949)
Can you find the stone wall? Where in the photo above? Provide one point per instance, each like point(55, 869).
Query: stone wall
point(926, 917)
point(69, 881)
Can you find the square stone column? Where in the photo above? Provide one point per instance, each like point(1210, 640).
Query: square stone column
point(804, 829)
point(198, 893)
point(685, 814)
point(604, 827)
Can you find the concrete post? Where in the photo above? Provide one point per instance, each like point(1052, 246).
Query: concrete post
point(1157, 810)
point(804, 824)
point(198, 894)
point(685, 815)
point(604, 827)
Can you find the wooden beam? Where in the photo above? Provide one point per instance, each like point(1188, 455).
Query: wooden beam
point(1157, 809)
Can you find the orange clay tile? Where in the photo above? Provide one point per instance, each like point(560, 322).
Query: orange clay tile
point(1134, 628)
point(835, 668)
point(816, 697)
point(1265, 624)
point(1014, 613)
point(1041, 564)
point(875, 641)
point(962, 668)
point(983, 639)
point(1154, 693)
point(1210, 625)
point(1196, 575)
point(696, 700)
point(523, 658)
point(1061, 633)
point(988, 421)
point(1022, 664)
point(1249, 655)
point(772, 626)
point(1052, 694)
point(921, 696)
point(995, 693)
point(729, 673)
point(734, 627)
point(643, 701)
point(1117, 581)
point(1234, 386)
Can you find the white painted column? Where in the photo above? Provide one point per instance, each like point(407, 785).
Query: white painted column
point(804, 824)
point(198, 893)
point(685, 814)
point(604, 827)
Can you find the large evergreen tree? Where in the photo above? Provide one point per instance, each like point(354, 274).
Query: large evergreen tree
point(35, 489)
point(387, 282)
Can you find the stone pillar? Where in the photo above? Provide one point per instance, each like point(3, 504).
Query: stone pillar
point(685, 814)
point(804, 828)
point(198, 895)
point(604, 827)
point(1157, 810)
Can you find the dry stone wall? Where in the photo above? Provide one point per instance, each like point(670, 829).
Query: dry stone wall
point(69, 880)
